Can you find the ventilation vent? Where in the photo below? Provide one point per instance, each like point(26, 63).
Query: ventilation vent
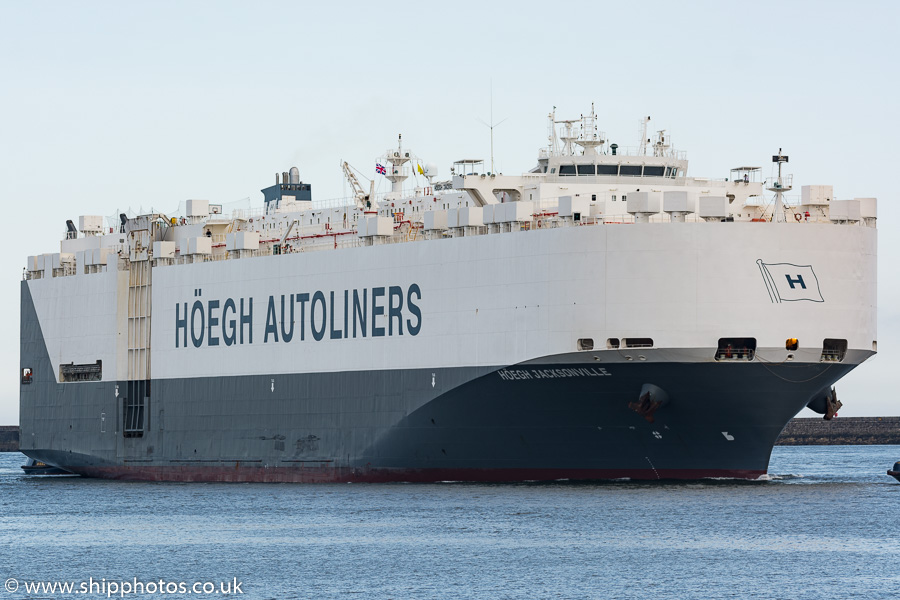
point(133, 417)
point(134, 407)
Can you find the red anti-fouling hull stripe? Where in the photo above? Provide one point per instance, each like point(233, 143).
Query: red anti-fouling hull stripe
point(241, 473)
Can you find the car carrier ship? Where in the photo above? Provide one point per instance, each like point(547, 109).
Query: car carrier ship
point(604, 315)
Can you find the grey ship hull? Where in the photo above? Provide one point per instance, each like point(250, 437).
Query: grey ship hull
point(561, 417)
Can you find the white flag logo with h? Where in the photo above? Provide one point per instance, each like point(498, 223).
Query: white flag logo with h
point(787, 282)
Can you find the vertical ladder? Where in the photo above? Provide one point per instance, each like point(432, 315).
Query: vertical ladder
point(137, 395)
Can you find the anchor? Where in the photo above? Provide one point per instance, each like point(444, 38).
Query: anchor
point(651, 399)
point(826, 403)
point(832, 405)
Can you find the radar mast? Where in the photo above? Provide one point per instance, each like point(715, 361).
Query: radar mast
point(590, 137)
point(779, 186)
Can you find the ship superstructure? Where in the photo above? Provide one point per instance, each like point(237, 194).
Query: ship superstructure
point(602, 315)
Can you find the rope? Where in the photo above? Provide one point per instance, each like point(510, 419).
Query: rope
point(764, 363)
point(661, 353)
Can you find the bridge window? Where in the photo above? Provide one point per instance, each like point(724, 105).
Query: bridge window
point(630, 170)
point(566, 169)
point(586, 170)
point(607, 169)
point(736, 349)
point(654, 171)
point(833, 350)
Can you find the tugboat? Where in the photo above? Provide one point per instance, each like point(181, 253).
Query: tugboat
point(895, 472)
point(36, 467)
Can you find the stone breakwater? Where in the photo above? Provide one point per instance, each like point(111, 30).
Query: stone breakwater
point(9, 438)
point(799, 432)
point(841, 431)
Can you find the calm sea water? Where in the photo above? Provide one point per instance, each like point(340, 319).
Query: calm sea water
point(824, 525)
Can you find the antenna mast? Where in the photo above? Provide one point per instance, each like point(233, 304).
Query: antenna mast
point(644, 139)
point(491, 125)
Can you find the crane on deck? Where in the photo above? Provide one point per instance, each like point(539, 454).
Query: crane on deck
point(364, 201)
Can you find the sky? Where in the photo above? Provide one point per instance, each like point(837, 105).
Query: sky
point(106, 106)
